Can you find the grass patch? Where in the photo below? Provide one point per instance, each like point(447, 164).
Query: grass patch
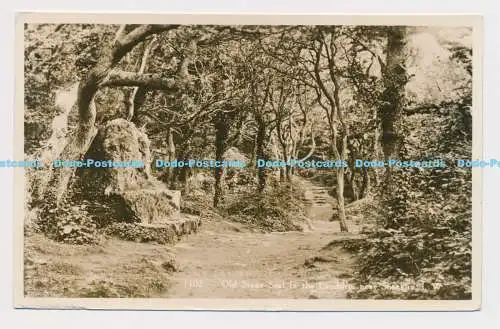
point(116, 269)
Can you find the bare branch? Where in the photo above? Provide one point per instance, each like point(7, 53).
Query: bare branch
point(364, 47)
point(319, 81)
point(142, 68)
point(125, 43)
point(118, 78)
point(313, 146)
point(120, 33)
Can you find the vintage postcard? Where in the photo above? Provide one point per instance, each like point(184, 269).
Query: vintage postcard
point(248, 162)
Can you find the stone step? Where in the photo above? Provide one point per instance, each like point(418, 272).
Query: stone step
point(315, 202)
point(182, 225)
point(177, 221)
point(168, 231)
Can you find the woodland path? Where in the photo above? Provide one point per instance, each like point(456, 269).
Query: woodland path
point(223, 260)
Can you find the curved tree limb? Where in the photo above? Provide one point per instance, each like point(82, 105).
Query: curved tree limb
point(142, 68)
point(80, 140)
point(313, 146)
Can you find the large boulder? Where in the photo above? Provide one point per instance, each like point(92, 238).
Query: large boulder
point(132, 191)
point(119, 140)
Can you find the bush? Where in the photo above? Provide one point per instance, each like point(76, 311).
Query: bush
point(197, 203)
point(426, 238)
point(274, 210)
point(69, 224)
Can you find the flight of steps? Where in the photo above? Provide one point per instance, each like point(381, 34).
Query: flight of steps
point(317, 196)
point(320, 195)
point(319, 202)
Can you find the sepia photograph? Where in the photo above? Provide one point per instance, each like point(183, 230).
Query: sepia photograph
point(248, 162)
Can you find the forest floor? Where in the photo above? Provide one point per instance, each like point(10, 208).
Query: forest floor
point(223, 260)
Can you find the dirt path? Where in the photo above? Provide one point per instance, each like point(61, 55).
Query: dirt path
point(222, 261)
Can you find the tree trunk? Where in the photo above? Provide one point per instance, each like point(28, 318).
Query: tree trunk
point(288, 173)
point(171, 148)
point(334, 116)
point(352, 186)
point(340, 182)
point(179, 174)
point(221, 134)
point(340, 189)
point(353, 191)
point(261, 154)
point(82, 137)
point(391, 110)
point(65, 99)
point(276, 155)
point(183, 175)
point(340, 200)
point(253, 158)
point(173, 178)
point(293, 155)
point(376, 151)
point(365, 187)
point(282, 175)
point(285, 173)
point(170, 152)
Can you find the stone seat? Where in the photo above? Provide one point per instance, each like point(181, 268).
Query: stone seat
point(182, 225)
point(149, 205)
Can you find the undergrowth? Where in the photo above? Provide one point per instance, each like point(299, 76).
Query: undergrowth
point(138, 233)
point(279, 208)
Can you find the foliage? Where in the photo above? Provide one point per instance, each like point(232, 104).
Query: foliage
point(55, 57)
point(138, 233)
point(198, 203)
point(278, 209)
point(285, 92)
point(69, 224)
point(426, 238)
